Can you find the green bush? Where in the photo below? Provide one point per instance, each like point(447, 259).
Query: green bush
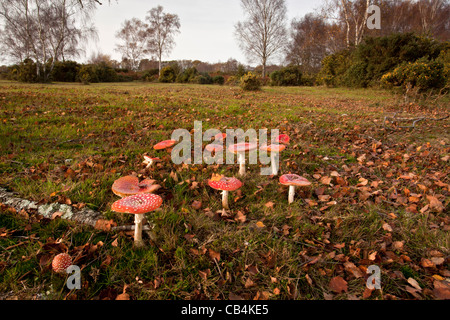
point(150, 75)
point(423, 74)
point(365, 64)
point(24, 72)
point(250, 82)
point(168, 74)
point(444, 58)
point(202, 78)
point(287, 76)
point(334, 67)
point(187, 75)
point(86, 74)
point(65, 71)
point(220, 80)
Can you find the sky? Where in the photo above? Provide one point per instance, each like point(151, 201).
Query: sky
point(206, 32)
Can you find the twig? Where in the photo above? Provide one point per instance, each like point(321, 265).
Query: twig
point(394, 118)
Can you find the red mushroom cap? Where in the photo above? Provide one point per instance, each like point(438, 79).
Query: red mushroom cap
point(164, 144)
point(61, 262)
point(130, 185)
point(242, 147)
point(282, 138)
point(224, 183)
point(137, 204)
point(220, 136)
point(294, 180)
point(214, 147)
point(273, 147)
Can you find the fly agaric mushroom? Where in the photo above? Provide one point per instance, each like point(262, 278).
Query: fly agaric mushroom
point(224, 184)
point(214, 147)
point(138, 205)
point(240, 149)
point(61, 262)
point(164, 144)
point(282, 138)
point(293, 180)
point(130, 185)
point(149, 161)
point(274, 150)
point(220, 136)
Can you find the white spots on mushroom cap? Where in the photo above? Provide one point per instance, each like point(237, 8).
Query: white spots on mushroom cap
point(137, 204)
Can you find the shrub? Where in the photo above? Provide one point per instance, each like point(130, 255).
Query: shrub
point(220, 80)
point(150, 75)
point(65, 71)
point(168, 74)
point(86, 74)
point(232, 81)
point(203, 78)
point(187, 75)
point(422, 74)
point(287, 76)
point(250, 82)
point(334, 67)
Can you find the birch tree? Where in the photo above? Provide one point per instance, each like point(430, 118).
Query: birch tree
point(163, 27)
point(44, 31)
point(134, 36)
point(263, 34)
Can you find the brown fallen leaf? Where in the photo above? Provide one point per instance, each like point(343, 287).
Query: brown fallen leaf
point(269, 204)
point(338, 284)
point(435, 203)
point(214, 255)
point(104, 225)
point(441, 290)
point(353, 269)
point(196, 205)
point(240, 217)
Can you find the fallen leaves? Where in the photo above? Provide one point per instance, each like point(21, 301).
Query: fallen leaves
point(338, 285)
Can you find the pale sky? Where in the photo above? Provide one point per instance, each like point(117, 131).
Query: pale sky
point(207, 26)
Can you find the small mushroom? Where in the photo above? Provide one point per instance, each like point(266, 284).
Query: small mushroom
point(150, 161)
point(274, 150)
point(293, 180)
point(164, 144)
point(225, 184)
point(138, 205)
point(130, 185)
point(282, 138)
point(220, 137)
point(213, 147)
point(61, 262)
point(241, 149)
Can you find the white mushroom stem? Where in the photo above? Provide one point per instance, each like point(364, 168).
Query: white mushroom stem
point(138, 218)
point(291, 194)
point(274, 163)
point(241, 161)
point(225, 199)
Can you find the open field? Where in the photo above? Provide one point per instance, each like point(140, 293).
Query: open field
point(378, 196)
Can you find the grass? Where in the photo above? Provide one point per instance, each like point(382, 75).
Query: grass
point(64, 142)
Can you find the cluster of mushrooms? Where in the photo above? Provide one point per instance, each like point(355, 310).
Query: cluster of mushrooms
point(137, 196)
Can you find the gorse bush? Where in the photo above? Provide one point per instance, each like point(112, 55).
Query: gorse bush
point(250, 82)
point(334, 67)
point(65, 71)
point(287, 76)
point(168, 74)
point(187, 75)
point(422, 74)
point(220, 80)
point(366, 64)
